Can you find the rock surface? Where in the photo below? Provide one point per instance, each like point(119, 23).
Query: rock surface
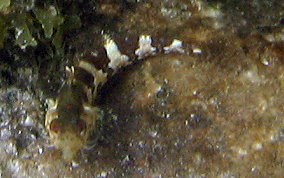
point(216, 113)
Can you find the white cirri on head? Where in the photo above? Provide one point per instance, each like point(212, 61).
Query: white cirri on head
point(117, 60)
point(175, 46)
point(145, 48)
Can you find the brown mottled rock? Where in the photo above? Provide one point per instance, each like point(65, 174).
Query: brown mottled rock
point(182, 116)
point(216, 113)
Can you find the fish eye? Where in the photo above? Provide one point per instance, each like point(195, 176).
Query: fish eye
point(81, 125)
point(54, 126)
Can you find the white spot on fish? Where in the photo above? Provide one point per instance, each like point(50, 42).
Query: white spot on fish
point(145, 47)
point(87, 107)
point(52, 105)
point(99, 75)
point(176, 46)
point(117, 59)
point(197, 51)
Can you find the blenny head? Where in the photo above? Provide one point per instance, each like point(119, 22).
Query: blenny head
point(70, 120)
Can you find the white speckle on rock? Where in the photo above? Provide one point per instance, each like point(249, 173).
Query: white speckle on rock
point(153, 133)
point(212, 12)
point(126, 159)
point(277, 37)
point(265, 62)
point(5, 133)
point(242, 152)
point(10, 147)
point(19, 32)
point(252, 76)
point(269, 38)
point(103, 174)
point(40, 150)
point(272, 137)
point(194, 93)
point(14, 166)
point(155, 90)
point(75, 164)
point(53, 11)
point(141, 144)
point(176, 63)
point(257, 146)
point(186, 122)
point(28, 121)
point(254, 169)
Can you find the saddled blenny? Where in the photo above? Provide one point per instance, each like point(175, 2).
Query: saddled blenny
point(71, 117)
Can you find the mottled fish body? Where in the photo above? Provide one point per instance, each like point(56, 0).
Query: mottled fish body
point(71, 118)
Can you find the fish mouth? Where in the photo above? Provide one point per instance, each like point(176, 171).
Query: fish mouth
point(69, 143)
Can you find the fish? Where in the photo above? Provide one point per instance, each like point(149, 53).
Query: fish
point(71, 117)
